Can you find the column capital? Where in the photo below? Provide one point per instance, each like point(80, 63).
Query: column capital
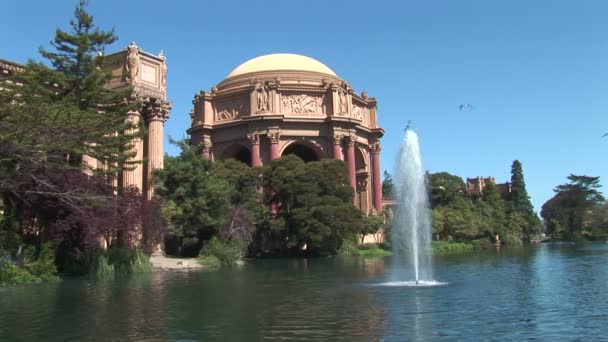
point(274, 137)
point(351, 140)
point(156, 109)
point(375, 147)
point(254, 138)
point(336, 139)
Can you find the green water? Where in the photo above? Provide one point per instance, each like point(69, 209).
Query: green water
point(547, 292)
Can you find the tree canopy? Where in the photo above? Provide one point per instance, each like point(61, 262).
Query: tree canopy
point(574, 210)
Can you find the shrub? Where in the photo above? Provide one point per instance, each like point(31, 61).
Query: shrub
point(372, 250)
point(445, 247)
point(26, 268)
point(227, 253)
point(118, 261)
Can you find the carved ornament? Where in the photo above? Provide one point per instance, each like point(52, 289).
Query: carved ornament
point(254, 138)
point(302, 104)
point(274, 137)
point(360, 113)
point(375, 148)
point(231, 109)
point(156, 109)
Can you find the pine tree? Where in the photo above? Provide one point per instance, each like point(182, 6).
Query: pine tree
point(520, 201)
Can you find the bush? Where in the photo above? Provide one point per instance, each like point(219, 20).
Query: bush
point(227, 253)
point(482, 243)
point(21, 271)
point(118, 261)
point(372, 250)
point(445, 247)
point(12, 275)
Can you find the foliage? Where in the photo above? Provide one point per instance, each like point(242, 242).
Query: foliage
point(315, 210)
point(388, 185)
point(445, 247)
point(202, 199)
point(372, 250)
point(519, 202)
point(29, 268)
point(49, 121)
point(118, 261)
point(194, 199)
point(456, 216)
point(575, 209)
point(226, 253)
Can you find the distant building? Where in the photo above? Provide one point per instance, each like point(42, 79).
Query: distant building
point(476, 186)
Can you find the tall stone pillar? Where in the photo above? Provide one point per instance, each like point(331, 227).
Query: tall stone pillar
point(156, 115)
point(133, 175)
point(254, 139)
point(337, 147)
point(376, 182)
point(274, 145)
point(350, 158)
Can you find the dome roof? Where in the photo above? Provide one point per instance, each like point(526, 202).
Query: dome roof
point(281, 61)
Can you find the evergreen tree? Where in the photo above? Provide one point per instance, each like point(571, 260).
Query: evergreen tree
point(520, 201)
point(520, 205)
point(388, 185)
point(49, 119)
point(569, 212)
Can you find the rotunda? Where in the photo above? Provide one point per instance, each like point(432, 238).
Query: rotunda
point(281, 104)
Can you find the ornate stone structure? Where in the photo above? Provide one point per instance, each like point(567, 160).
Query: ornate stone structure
point(146, 73)
point(282, 104)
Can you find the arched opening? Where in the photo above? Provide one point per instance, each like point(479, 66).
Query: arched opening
point(306, 153)
point(238, 152)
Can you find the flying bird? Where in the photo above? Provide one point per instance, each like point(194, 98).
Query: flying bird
point(465, 107)
point(605, 135)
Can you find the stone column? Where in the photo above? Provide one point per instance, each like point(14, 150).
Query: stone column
point(254, 139)
point(376, 182)
point(337, 144)
point(274, 145)
point(207, 150)
point(156, 115)
point(350, 158)
point(133, 175)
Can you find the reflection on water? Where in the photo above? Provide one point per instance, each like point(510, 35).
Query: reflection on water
point(548, 292)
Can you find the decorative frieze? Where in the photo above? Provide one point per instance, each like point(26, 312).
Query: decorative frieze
point(231, 109)
point(303, 104)
point(360, 113)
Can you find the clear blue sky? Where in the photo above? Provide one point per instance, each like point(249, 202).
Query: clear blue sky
point(536, 72)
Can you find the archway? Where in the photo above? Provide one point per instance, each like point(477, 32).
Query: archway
point(303, 151)
point(238, 152)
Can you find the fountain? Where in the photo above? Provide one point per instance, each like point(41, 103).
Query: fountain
point(411, 231)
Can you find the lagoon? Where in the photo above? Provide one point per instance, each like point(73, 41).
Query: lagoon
point(547, 292)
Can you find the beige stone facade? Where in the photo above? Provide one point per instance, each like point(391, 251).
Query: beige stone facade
point(282, 104)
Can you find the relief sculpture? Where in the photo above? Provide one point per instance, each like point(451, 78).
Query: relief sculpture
point(361, 113)
point(230, 110)
point(302, 104)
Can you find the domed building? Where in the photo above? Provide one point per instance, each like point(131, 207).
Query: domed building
point(282, 104)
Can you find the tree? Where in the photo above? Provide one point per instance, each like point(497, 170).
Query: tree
point(388, 185)
point(195, 200)
point(569, 210)
point(444, 188)
point(314, 206)
point(49, 120)
point(519, 201)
